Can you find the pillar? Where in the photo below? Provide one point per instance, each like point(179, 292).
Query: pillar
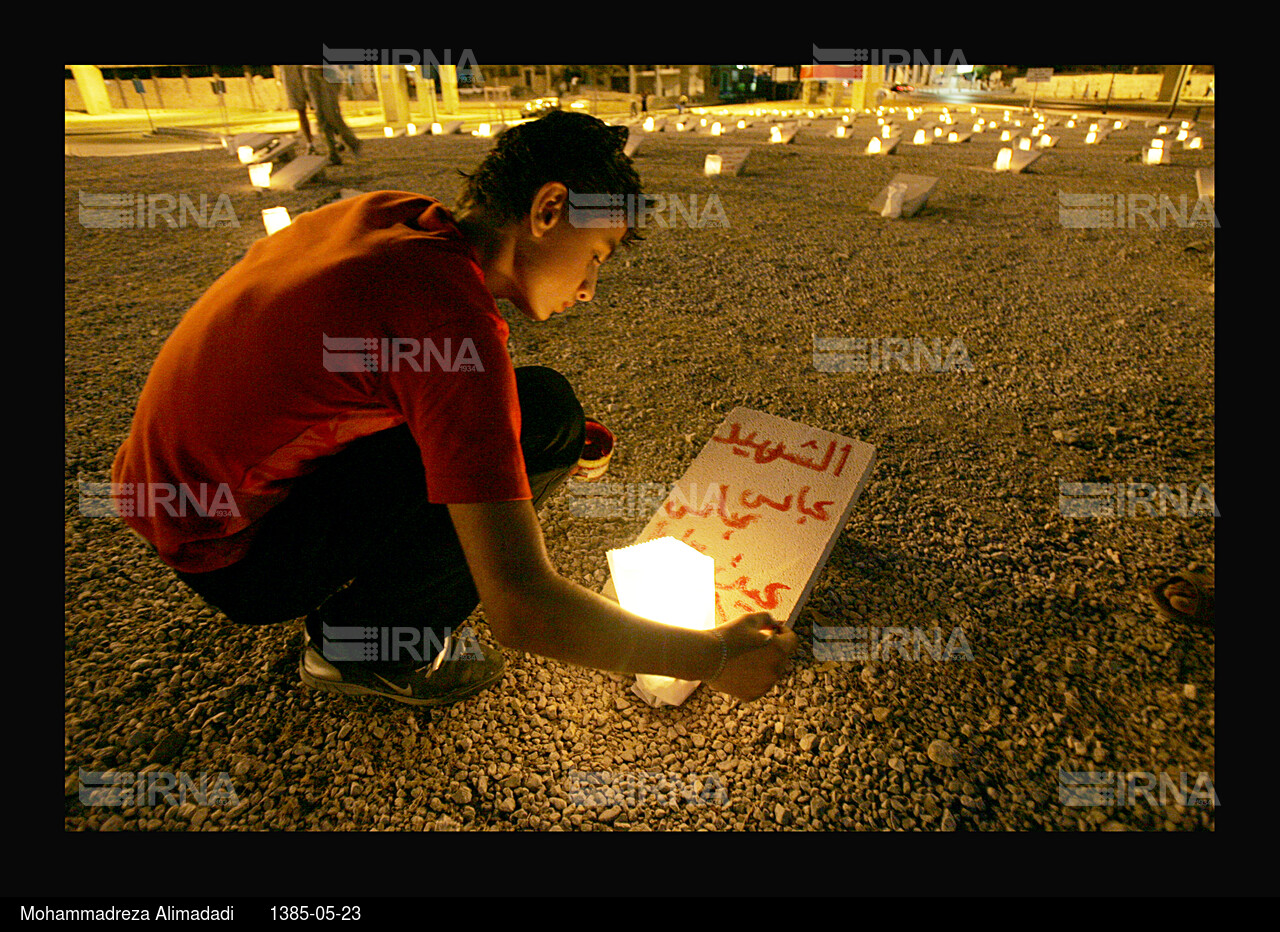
point(92, 87)
point(393, 94)
point(449, 88)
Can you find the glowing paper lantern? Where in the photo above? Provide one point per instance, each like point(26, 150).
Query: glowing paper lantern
point(921, 139)
point(716, 129)
point(648, 124)
point(1024, 143)
point(1004, 159)
point(742, 124)
point(1092, 137)
point(873, 147)
point(245, 154)
point(388, 131)
point(953, 137)
point(275, 218)
point(713, 164)
point(1156, 154)
point(484, 130)
point(666, 581)
point(1006, 135)
point(436, 129)
point(886, 132)
point(775, 134)
point(1182, 134)
point(411, 128)
point(1046, 141)
point(1195, 142)
point(260, 175)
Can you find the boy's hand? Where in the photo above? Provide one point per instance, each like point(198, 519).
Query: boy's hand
point(758, 648)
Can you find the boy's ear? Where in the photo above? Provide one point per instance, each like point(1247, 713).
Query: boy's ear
point(548, 206)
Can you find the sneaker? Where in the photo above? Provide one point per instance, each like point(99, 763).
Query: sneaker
point(439, 683)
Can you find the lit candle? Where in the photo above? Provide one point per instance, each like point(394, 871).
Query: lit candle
point(669, 582)
point(275, 218)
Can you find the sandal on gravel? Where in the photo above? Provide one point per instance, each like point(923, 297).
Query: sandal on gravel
point(1184, 596)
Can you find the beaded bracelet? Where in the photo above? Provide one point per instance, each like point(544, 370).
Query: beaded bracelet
point(724, 653)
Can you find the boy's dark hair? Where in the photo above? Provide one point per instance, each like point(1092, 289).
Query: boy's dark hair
point(579, 151)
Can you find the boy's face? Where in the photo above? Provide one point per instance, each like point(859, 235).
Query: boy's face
point(556, 263)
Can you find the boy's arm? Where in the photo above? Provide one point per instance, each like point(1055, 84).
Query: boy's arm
point(530, 607)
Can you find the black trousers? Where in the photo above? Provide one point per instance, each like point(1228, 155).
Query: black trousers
point(357, 544)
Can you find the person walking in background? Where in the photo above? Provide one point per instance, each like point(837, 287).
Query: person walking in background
point(322, 84)
point(295, 91)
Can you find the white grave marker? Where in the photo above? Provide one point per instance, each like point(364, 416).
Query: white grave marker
point(915, 192)
point(633, 143)
point(878, 146)
point(1014, 160)
point(279, 147)
point(1204, 182)
point(298, 172)
point(726, 161)
point(783, 132)
point(1156, 154)
point(766, 499)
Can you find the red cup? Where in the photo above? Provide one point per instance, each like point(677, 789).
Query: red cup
point(594, 461)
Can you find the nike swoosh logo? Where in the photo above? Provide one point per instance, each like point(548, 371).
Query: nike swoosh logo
point(399, 690)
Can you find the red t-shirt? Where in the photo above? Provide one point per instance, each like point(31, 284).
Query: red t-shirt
point(256, 383)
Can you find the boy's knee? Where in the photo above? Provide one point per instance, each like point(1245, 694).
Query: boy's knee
point(553, 423)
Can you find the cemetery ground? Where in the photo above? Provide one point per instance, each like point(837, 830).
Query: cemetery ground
point(1077, 355)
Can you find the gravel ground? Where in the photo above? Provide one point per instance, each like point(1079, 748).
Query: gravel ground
point(1092, 354)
